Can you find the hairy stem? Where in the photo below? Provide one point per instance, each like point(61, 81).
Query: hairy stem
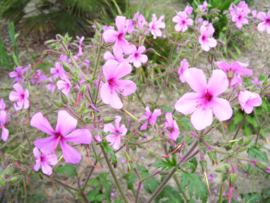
point(179, 187)
point(240, 126)
point(97, 62)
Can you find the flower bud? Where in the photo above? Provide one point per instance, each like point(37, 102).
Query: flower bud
point(212, 155)
point(86, 111)
point(45, 54)
point(261, 165)
point(248, 140)
point(228, 167)
point(220, 169)
point(108, 120)
point(58, 104)
point(83, 88)
point(14, 180)
point(232, 179)
point(51, 41)
point(203, 163)
point(241, 141)
point(66, 66)
point(98, 138)
point(64, 98)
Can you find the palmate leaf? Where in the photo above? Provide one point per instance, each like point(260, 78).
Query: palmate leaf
point(194, 183)
point(169, 195)
point(165, 163)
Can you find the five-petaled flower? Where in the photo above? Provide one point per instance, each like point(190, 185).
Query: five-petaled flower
point(248, 100)
point(62, 133)
point(182, 22)
point(136, 57)
point(114, 139)
point(205, 38)
point(171, 127)
point(37, 77)
point(150, 117)
point(204, 102)
point(265, 25)
point(18, 74)
point(65, 86)
point(155, 25)
point(113, 72)
point(20, 96)
point(44, 160)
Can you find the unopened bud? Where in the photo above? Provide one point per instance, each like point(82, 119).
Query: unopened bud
point(248, 140)
point(212, 155)
point(227, 166)
point(51, 41)
point(14, 180)
point(66, 66)
point(58, 104)
point(108, 120)
point(53, 45)
point(241, 142)
point(163, 172)
point(86, 111)
point(64, 98)
point(261, 165)
point(45, 54)
point(98, 138)
point(83, 88)
point(203, 163)
point(220, 169)
point(232, 179)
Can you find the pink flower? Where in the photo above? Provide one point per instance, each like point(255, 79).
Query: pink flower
point(80, 52)
point(58, 71)
point(20, 96)
point(182, 21)
point(105, 28)
point(113, 72)
point(18, 74)
point(2, 105)
point(62, 133)
point(265, 25)
point(233, 71)
point(256, 81)
point(65, 86)
point(150, 117)
point(63, 58)
point(98, 138)
point(141, 22)
point(114, 139)
point(188, 10)
point(248, 100)
point(118, 36)
point(254, 15)
point(239, 14)
point(155, 26)
point(131, 23)
point(118, 56)
point(171, 127)
point(136, 57)
point(3, 120)
point(204, 6)
point(44, 160)
point(205, 38)
point(184, 66)
point(51, 86)
point(204, 102)
point(37, 77)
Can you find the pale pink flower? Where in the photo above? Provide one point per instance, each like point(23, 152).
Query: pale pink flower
point(248, 100)
point(20, 96)
point(205, 38)
point(114, 139)
point(204, 102)
point(254, 15)
point(239, 14)
point(234, 70)
point(80, 52)
point(150, 117)
point(50, 86)
point(18, 74)
point(2, 105)
point(171, 127)
point(98, 138)
point(183, 66)
point(118, 56)
point(188, 10)
point(204, 6)
point(65, 86)
point(3, 120)
point(141, 22)
point(265, 25)
point(44, 160)
point(105, 28)
point(155, 25)
point(62, 133)
point(131, 23)
point(58, 71)
point(38, 78)
point(113, 72)
point(182, 22)
point(118, 36)
point(136, 57)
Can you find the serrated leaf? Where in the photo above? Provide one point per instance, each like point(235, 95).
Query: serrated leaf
point(194, 182)
point(256, 153)
point(67, 169)
point(164, 163)
point(169, 195)
point(252, 198)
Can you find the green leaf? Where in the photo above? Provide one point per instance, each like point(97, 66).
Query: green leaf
point(151, 184)
point(164, 163)
point(117, 201)
point(109, 151)
point(255, 153)
point(252, 198)
point(185, 123)
point(67, 169)
point(194, 182)
point(166, 108)
point(191, 201)
point(93, 182)
point(131, 179)
point(101, 197)
point(247, 130)
point(169, 195)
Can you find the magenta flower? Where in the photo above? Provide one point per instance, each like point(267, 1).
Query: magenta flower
point(118, 36)
point(118, 56)
point(113, 72)
point(58, 71)
point(265, 25)
point(63, 58)
point(254, 82)
point(3, 120)
point(37, 77)
point(131, 23)
point(62, 133)
point(136, 57)
point(20, 96)
point(150, 117)
point(204, 102)
point(51, 86)
point(188, 10)
point(44, 160)
point(171, 127)
point(233, 70)
point(155, 25)
point(114, 139)
point(2, 105)
point(80, 52)
point(65, 86)
point(204, 6)
point(182, 22)
point(239, 14)
point(98, 138)
point(141, 22)
point(183, 66)
point(18, 74)
point(205, 38)
point(105, 28)
point(248, 100)
point(267, 171)
point(254, 15)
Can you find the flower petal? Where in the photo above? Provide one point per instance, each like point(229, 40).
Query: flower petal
point(4, 134)
point(18, 88)
point(202, 118)
point(122, 70)
point(222, 109)
point(46, 169)
point(52, 159)
point(37, 165)
point(196, 79)
point(82, 136)
point(14, 96)
point(218, 82)
point(65, 123)
point(36, 153)
point(40, 122)
point(115, 101)
point(127, 87)
point(70, 154)
point(109, 69)
point(187, 103)
point(46, 145)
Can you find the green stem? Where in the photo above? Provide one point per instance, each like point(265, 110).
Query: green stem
point(240, 126)
point(220, 194)
point(179, 187)
point(150, 176)
point(27, 137)
point(97, 61)
point(140, 98)
point(259, 127)
point(113, 174)
point(223, 132)
point(66, 186)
